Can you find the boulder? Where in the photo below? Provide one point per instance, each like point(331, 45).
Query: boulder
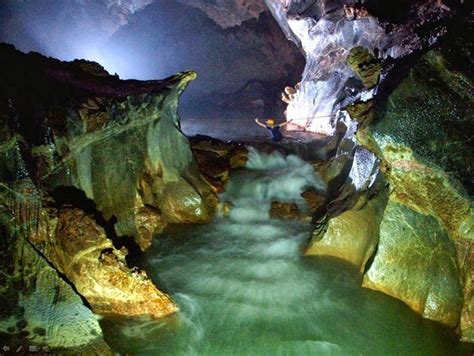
point(40, 308)
point(353, 235)
point(416, 262)
point(216, 159)
point(317, 202)
point(288, 211)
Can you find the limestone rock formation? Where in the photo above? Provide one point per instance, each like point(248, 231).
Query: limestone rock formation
point(289, 211)
point(410, 118)
point(118, 141)
point(352, 236)
point(39, 308)
point(317, 202)
point(423, 134)
point(99, 272)
point(366, 66)
point(216, 159)
point(86, 157)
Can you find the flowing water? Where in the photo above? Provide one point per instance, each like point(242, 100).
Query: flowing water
point(243, 286)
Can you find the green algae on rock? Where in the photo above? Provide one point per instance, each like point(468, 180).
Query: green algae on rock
point(365, 65)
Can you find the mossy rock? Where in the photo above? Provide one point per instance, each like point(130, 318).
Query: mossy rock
point(362, 111)
point(431, 111)
point(365, 65)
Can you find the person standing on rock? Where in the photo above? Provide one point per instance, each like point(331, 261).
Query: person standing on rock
point(274, 129)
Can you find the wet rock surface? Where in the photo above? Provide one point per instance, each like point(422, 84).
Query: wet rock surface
point(99, 272)
point(416, 262)
point(353, 235)
point(426, 158)
point(216, 159)
point(289, 211)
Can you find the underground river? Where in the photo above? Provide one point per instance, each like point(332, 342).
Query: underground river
point(244, 287)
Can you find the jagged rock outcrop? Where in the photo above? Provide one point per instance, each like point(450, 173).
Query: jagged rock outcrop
point(86, 157)
point(118, 141)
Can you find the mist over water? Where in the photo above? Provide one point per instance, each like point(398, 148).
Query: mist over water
point(243, 286)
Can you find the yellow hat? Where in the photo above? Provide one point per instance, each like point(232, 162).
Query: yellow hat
point(270, 121)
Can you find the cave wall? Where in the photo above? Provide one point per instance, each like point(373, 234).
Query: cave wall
point(404, 78)
point(423, 131)
point(241, 69)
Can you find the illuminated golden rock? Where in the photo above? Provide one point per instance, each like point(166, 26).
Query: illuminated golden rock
point(352, 236)
point(99, 272)
point(416, 262)
point(426, 251)
point(288, 211)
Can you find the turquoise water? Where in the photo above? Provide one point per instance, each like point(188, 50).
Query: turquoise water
point(244, 288)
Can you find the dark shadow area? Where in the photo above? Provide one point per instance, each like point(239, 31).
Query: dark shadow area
point(77, 198)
